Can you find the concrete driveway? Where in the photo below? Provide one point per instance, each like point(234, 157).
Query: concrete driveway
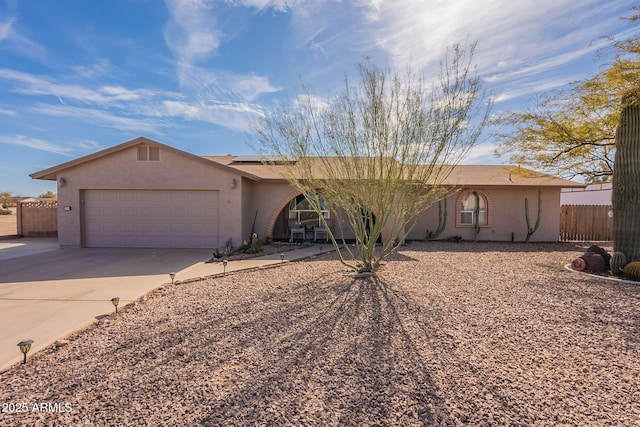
point(49, 292)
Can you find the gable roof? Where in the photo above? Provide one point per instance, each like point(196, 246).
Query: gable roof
point(50, 173)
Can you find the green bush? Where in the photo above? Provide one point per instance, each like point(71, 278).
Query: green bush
point(218, 254)
point(5, 212)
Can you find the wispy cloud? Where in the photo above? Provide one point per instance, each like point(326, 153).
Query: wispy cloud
point(481, 154)
point(7, 112)
point(103, 95)
point(90, 145)
point(524, 47)
point(99, 69)
point(144, 125)
point(279, 5)
point(5, 29)
point(193, 37)
point(224, 85)
point(233, 116)
point(34, 143)
point(12, 39)
point(191, 33)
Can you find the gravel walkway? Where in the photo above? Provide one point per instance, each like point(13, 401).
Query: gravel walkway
point(478, 334)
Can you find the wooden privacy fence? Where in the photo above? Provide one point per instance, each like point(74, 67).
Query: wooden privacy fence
point(586, 223)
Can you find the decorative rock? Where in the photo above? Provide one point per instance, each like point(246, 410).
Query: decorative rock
point(578, 264)
point(595, 262)
point(595, 249)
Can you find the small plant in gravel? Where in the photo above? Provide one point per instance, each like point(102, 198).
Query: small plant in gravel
point(217, 254)
point(5, 212)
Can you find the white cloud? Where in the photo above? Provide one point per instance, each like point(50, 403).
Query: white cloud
point(7, 112)
point(34, 143)
point(527, 38)
point(507, 30)
point(279, 5)
point(524, 47)
point(220, 97)
point(233, 116)
point(481, 154)
point(12, 39)
point(90, 145)
point(140, 125)
point(5, 29)
point(100, 69)
point(191, 33)
point(105, 95)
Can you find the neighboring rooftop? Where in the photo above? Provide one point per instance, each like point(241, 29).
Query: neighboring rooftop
point(594, 194)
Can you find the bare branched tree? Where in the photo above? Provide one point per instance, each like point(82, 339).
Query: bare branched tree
point(378, 150)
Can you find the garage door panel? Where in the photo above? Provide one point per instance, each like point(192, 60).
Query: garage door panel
point(111, 197)
point(161, 228)
point(149, 218)
point(176, 211)
point(177, 228)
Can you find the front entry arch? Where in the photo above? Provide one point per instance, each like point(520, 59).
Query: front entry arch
point(294, 212)
point(274, 228)
point(276, 212)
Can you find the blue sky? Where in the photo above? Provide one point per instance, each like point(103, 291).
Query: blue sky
point(79, 76)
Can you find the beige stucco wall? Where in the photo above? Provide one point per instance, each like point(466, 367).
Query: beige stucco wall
point(268, 198)
point(122, 170)
point(507, 211)
point(239, 202)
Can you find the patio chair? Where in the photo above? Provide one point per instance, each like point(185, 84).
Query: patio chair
point(296, 228)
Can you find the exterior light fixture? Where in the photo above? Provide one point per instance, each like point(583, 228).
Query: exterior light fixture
point(173, 276)
point(282, 258)
point(224, 266)
point(115, 301)
point(234, 182)
point(25, 346)
point(62, 182)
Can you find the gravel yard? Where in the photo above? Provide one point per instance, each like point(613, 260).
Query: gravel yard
point(478, 334)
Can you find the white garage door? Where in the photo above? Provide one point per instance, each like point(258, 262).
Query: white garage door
point(151, 219)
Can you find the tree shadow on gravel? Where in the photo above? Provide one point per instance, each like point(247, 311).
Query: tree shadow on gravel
point(332, 353)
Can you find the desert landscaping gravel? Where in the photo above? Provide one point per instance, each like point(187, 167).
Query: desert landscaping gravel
point(479, 334)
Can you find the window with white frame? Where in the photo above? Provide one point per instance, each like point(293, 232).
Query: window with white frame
point(473, 209)
point(302, 212)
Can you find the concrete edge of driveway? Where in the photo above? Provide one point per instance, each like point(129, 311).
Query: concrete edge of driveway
point(192, 273)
